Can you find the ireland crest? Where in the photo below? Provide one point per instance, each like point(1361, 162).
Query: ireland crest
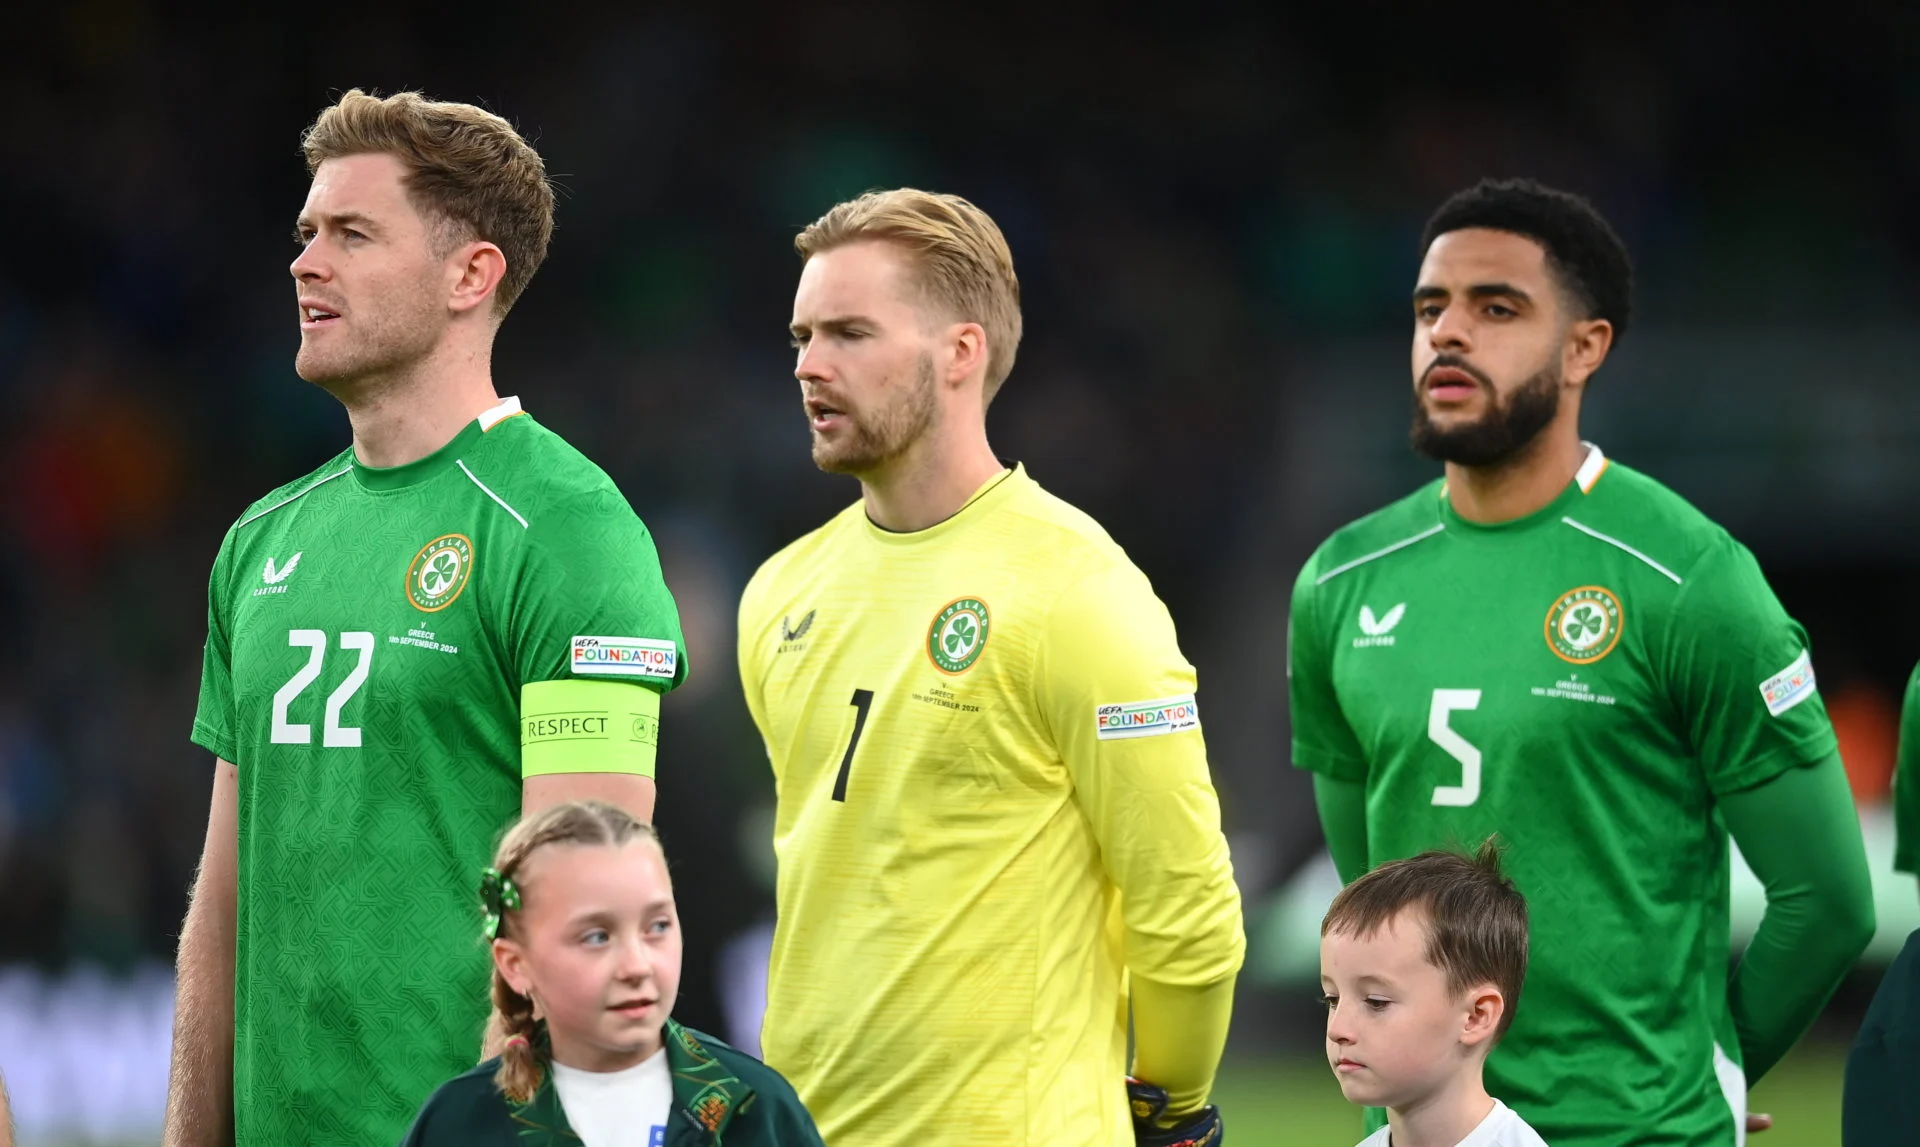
point(1583, 624)
point(958, 634)
point(439, 572)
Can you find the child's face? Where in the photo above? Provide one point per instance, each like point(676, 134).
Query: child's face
point(1395, 1033)
point(600, 951)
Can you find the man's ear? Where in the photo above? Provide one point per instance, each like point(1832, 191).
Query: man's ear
point(476, 269)
point(966, 352)
point(1486, 1006)
point(1588, 342)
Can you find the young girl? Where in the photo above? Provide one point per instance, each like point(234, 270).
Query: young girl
point(586, 964)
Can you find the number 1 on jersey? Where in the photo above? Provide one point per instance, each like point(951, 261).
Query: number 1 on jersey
point(1445, 703)
point(862, 701)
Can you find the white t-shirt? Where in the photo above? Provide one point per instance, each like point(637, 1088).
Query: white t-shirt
point(618, 1108)
point(1501, 1128)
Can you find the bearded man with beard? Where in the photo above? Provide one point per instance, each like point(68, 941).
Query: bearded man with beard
point(455, 619)
point(1551, 647)
point(996, 824)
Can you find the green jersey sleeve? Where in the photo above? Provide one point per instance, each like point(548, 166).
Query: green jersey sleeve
point(213, 721)
point(1906, 783)
point(1741, 675)
point(1323, 741)
point(589, 599)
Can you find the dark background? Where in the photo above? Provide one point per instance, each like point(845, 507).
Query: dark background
point(1214, 215)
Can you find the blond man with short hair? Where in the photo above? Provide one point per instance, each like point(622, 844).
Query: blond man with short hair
point(455, 618)
point(996, 825)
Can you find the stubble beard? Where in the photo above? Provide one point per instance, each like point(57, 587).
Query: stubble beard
point(1508, 427)
point(390, 339)
point(874, 439)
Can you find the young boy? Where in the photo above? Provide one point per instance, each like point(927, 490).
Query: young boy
point(1421, 961)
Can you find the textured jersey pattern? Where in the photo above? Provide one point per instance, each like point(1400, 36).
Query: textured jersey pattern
point(369, 632)
point(1583, 682)
point(961, 890)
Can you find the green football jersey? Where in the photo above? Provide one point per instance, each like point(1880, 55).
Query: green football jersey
point(1584, 682)
point(369, 632)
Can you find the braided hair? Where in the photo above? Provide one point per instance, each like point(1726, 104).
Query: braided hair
point(513, 1033)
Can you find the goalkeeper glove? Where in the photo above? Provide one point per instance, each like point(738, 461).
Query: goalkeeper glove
point(1147, 1102)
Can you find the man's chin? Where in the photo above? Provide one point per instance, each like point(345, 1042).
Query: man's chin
point(839, 458)
point(321, 371)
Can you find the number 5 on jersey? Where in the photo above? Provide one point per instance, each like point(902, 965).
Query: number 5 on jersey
point(1446, 702)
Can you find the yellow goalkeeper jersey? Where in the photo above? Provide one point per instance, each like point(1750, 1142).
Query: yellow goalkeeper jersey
point(993, 803)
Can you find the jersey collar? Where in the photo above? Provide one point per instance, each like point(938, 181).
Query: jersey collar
point(1584, 481)
point(993, 492)
point(421, 469)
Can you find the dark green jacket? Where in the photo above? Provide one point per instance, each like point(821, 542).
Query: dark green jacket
point(1878, 1103)
point(721, 1098)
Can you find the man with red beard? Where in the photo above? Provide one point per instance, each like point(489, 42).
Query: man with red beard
point(1552, 647)
point(996, 826)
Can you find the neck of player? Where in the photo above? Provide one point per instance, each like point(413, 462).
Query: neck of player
point(1523, 484)
point(1445, 1117)
point(406, 414)
point(932, 479)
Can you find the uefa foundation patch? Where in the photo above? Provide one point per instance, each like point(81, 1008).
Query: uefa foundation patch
point(625, 657)
point(1790, 686)
point(1146, 718)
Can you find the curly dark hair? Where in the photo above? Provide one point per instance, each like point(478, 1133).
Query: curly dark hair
point(1582, 250)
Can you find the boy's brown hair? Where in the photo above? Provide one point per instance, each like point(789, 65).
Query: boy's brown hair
point(468, 171)
point(1476, 920)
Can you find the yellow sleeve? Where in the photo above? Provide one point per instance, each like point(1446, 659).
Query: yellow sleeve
point(751, 646)
point(1119, 699)
point(1178, 1037)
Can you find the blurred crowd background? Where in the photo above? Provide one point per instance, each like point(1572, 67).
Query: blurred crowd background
point(1215, 219)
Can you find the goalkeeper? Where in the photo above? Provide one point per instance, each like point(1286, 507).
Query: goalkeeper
point(996, 827)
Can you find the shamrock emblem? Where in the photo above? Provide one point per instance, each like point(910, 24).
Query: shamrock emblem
point(440, 573)
point(1585, 622)
point(960, 635)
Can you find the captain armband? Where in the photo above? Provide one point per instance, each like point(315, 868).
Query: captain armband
point(575, 726)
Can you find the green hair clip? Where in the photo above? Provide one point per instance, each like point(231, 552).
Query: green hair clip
point(498, 895)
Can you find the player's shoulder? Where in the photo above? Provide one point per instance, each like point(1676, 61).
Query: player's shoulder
point(810, 550)
point(1379, 1138)
point(1646, 518)
point(1394, 526)
point(1073, 542)
point(263, 507)
point(542, 477)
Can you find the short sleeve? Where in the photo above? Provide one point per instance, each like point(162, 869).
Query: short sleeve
point(1120, 702)
point(589, 600)
point(1323, 742)
point(1906, 783)
point(749, 652)
point(213, 720)
point(1741, 675)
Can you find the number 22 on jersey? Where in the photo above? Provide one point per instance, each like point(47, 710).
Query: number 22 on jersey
point(333, 735)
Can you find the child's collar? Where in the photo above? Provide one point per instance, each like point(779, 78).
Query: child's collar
point(702, 1086)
